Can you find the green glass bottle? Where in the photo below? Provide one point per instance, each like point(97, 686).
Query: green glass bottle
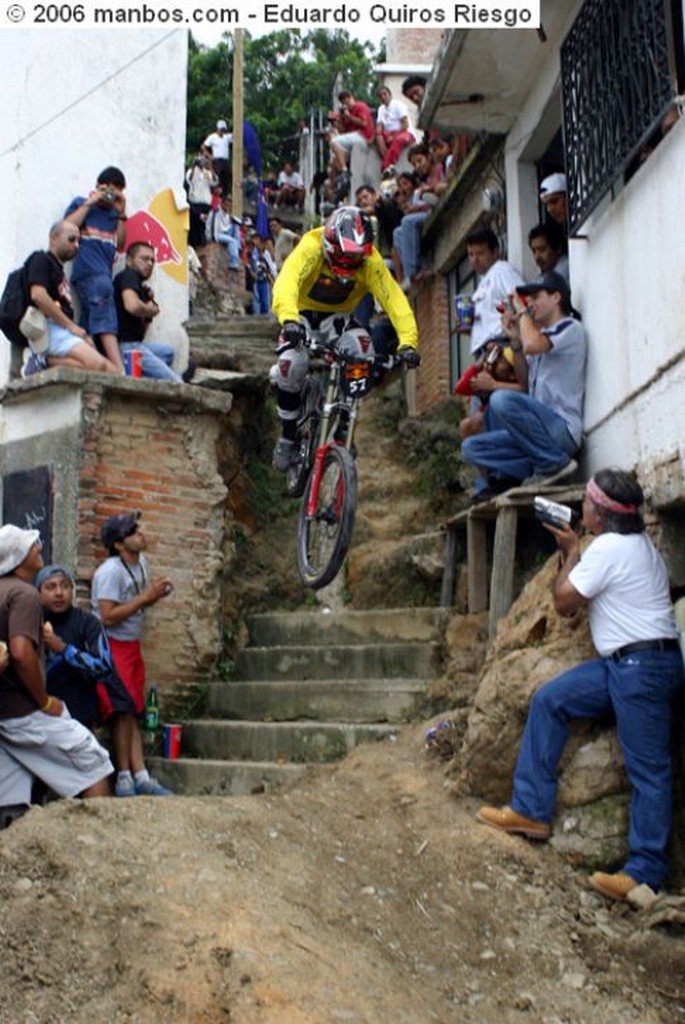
point(152, 710)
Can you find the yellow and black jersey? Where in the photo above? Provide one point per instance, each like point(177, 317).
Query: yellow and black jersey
point(306, 282)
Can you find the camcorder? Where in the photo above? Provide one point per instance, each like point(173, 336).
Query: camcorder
point(553, 513)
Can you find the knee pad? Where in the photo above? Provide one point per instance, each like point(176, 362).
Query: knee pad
point(289, 372)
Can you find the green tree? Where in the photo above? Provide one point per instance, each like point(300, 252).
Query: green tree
point(287, 75)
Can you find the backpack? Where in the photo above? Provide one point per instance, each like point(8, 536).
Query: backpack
point(13, 305)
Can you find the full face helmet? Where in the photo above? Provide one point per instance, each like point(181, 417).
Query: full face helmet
point(347, 240)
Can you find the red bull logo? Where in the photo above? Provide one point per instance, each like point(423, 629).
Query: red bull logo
point(144, 227)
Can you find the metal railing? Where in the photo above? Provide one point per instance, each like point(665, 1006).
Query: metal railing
point(618, 80)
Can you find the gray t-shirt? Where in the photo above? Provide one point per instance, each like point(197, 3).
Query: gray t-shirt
point(120, 581)
point(557, 377)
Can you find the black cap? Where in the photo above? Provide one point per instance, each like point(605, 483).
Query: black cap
point(118, 527)
point(551, 282)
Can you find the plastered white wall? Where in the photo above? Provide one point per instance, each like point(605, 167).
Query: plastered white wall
point(628, 280)
point(74, 102)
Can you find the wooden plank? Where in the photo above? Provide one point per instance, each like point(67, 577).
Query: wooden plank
point(503, 559)
point(477, 564)
point(449, 573)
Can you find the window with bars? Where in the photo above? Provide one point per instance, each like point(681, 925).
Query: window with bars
point(619, 73)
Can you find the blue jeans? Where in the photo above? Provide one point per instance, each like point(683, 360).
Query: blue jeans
point(233, 246)
point(639, 690)
point(98, 309)
point(157, 359)
point(261, 297)
point(407, 240)
point(526, 437)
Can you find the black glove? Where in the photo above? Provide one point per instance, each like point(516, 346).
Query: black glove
point(293, 334)
point(409, 356)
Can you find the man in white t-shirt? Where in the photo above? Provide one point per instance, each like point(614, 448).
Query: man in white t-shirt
point(290, 187)
point(623, 581)
point(497, 279)
point(218, 146)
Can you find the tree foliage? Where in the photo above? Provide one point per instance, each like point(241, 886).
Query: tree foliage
point(287, 75)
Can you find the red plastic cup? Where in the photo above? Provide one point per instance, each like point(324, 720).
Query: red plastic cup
point(171, 741)
point(133, 363)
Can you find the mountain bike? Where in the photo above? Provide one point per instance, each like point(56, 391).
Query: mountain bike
point(343, 371)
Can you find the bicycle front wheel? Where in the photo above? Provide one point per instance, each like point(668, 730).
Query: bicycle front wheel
point(324, 537)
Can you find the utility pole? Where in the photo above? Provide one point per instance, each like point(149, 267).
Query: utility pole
point(237, 174)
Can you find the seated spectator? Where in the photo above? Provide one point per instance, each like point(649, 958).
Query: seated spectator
point(136, 309)
point(251, 186)
point(553, 198)
point(407, 237)
point(355, 127)
point(548, 245)
point(201, 180)
point(290, 188)
point(285, 241)
point(101, 216)
point(38, 737)
point(623, 581)
point(440, 148)
point(270, 186)
point(495, 371)
point(393, 132)
point(496, 279)
point(67, 344)
point(77, 657)
point(224, 228)
point(537, 433)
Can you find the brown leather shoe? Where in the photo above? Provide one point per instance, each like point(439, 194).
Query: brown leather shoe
point(616, 887)
point(507, 820)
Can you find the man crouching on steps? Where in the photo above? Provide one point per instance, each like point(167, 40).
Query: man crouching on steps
point(623, 581)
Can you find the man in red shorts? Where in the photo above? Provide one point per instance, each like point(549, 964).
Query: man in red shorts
point(122, 589)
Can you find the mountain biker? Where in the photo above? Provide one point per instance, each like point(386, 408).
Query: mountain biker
point(329, 271)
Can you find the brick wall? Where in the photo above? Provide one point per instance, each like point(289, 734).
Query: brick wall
point(413, 47)
point(144, 450)
point(431, 310)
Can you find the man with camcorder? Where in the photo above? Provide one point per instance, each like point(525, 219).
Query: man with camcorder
point(623, 581)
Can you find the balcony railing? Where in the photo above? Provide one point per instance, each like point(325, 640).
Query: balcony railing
point(618, 80)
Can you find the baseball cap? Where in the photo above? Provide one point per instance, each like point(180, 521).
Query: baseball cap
point(551, 282)
point(48, 571)
point(118, 527)
point(552, 184)
point(15, 545)
point(221, 124)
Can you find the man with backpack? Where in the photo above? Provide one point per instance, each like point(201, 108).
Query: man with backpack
point(48, 290)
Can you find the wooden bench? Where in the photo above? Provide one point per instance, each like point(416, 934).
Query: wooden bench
point(497, 591)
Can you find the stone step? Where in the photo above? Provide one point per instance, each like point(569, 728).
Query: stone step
point(361, 661)
point(360, 700)
point(278, 742)
point(189, 777)
point(408, 625)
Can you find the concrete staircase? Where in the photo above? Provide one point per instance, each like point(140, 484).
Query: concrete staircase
point(309, 687)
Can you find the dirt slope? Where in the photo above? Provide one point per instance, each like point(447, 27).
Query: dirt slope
point(364, 895)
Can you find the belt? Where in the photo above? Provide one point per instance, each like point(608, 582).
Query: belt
point(645, 645)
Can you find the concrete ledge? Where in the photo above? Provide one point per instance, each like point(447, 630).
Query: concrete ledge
point(18, 391)
point(187, 777)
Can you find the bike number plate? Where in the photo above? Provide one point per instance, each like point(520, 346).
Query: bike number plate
point(356, 380)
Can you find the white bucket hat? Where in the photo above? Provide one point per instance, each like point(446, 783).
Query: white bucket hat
point(15, 545)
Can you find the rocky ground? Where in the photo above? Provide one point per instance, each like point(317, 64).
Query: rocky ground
point(366, 893)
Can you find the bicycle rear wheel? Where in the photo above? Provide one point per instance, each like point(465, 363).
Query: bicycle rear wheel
point(307, 429)
point(323, 539)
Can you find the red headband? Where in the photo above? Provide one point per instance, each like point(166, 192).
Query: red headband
point(596, 494)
